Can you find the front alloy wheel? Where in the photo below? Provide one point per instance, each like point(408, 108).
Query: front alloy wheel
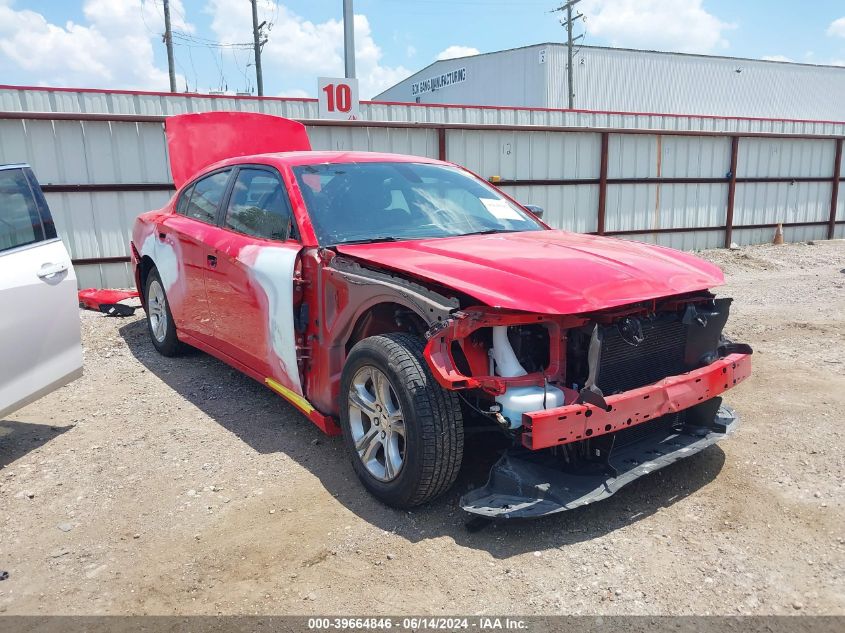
point(377, 423)
point(403, 431)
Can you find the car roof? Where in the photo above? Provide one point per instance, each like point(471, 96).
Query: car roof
point(311, 157)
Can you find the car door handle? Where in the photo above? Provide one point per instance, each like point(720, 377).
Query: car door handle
point(162, 236)
point(50, 270)
point(212, 261)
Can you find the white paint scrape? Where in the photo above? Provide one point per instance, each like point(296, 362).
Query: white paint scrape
point(164, 256)
point(272, 269)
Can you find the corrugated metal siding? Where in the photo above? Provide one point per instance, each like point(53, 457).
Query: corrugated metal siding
point(97, 224)
point(643, 81)
point(642, 207)
point(395, 140)
point(525, 155)
point(785, 158)
point(34, 100)
point(683, 241)
point(571, 208)
point(758, 203)
point(656, 156)
point(89, 152)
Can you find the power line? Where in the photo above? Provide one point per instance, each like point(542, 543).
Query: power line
point(204, 41)
point(192, 44)
point(242, 70)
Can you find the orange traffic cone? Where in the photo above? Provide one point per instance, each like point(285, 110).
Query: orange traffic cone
point(778, 235)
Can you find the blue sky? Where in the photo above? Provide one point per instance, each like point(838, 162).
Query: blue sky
point(117, 43)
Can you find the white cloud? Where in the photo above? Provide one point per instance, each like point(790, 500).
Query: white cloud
point(113, 50)
point(306, 49)
point(837, 28)
point(457, 50)
point(777, 58)
point(295, 93)
point(411, 50)
point(673, 25)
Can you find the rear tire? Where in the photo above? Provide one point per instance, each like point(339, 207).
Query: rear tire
point(159, 318)
point(403, 431)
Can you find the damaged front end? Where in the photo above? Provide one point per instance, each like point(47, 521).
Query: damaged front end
point(590, 401)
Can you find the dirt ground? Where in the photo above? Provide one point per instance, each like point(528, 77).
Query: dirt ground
point(178, 486)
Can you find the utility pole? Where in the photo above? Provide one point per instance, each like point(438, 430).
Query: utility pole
point(349, 38)
point(168, 42)
point(258, 42)
point(568, 23)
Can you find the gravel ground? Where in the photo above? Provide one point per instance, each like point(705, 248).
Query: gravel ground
point(178, 486)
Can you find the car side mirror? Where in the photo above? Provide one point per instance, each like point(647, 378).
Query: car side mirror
point(538, 211)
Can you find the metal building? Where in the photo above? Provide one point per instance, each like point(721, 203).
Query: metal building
point(625, 80)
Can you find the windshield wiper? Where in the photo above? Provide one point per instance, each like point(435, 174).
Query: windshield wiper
point(492, 231)
point(369, 240)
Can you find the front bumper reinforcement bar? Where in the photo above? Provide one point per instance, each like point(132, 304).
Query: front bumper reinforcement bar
point(574, 422)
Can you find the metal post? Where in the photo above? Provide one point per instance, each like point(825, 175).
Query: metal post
point(729, 214)
point(441, 143)
point(602, 211)
point(834, 190)
point(349, 38)
point(570, 41)
point(168, 43)
point(569, 80)
point(256, 38)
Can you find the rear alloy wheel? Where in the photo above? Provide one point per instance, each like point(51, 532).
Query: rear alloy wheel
point(159, 317)
point(404, 432)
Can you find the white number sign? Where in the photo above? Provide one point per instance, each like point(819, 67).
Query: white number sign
point(338, 98)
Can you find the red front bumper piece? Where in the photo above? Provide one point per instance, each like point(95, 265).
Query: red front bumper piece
point(93, 298)
point(573, 422)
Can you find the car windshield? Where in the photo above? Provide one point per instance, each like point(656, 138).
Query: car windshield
point(363, 202)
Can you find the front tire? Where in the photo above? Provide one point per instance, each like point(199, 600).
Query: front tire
point(403, 431)
point(159, 318)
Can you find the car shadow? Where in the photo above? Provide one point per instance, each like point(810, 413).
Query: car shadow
point(19, 438)
point(268, 424)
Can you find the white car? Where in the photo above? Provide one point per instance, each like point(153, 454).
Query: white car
point(40, 345)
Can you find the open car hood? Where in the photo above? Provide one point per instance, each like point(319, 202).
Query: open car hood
point(195, 141)
point(546, 272)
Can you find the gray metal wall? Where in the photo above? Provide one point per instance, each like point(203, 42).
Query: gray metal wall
point(625, 80)
point(665, 179)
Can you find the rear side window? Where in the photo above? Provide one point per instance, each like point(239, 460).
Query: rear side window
point(184, 199)
point(20, 222)
point(259, 206)
point(205, 197)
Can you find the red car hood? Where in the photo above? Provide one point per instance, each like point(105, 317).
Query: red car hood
point(548, 272)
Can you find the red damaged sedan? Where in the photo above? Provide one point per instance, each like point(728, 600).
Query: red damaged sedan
point(392, 298)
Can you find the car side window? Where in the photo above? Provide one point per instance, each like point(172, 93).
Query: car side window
point(184, 199)
point(259, 206)
point(205, 197)
point(20, 222)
